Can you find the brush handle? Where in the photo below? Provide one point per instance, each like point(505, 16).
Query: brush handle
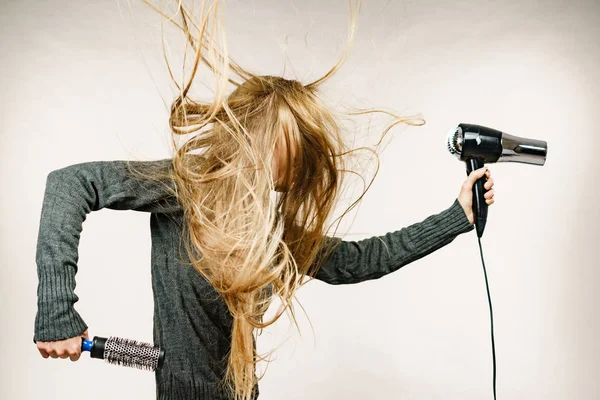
point(480, 207)
point(95, 347)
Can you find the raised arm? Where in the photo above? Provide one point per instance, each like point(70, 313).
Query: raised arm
point(71, 193)
point(357, 261)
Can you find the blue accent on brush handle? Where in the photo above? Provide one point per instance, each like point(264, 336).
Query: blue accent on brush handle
point(86, 345)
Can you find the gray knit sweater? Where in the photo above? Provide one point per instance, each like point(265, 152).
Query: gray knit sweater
point(191, 323)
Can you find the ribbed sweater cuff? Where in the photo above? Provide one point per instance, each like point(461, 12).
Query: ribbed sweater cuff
point(56, 318)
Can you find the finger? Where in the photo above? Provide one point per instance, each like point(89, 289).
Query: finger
point(53, 354)
point(475, 175)
point(490, 194)
point(60, 351)
point(74, 357)
point(488, 185)
point(490, 201)
point(43, 352)
point(76, 349)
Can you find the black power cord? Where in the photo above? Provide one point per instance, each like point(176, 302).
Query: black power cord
point(487, 286)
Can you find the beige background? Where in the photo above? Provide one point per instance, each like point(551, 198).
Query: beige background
point(82, 81)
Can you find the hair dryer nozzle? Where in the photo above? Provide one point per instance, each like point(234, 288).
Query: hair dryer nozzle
point(523, 150)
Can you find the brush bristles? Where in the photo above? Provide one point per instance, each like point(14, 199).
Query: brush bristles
point(131, 353)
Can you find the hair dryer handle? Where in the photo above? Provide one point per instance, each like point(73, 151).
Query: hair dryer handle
point(480, 207)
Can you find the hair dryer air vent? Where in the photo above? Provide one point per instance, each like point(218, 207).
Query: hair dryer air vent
point(454, 142)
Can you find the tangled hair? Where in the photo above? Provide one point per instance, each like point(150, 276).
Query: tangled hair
point(249, 242)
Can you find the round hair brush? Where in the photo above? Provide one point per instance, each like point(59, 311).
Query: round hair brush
point(125, 352)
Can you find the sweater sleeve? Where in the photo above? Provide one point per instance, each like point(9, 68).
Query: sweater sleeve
point(71, 193)
point(372, 258)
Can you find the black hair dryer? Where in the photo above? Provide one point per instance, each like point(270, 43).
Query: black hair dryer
point(477, 145)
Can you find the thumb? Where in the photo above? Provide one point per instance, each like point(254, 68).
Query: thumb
point(85, 335)
point(476, 175)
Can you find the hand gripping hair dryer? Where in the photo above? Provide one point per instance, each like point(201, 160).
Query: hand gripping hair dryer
point(477, 145)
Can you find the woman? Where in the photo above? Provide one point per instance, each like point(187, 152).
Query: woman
point(238, 215)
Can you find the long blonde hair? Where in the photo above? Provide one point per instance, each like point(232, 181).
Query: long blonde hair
point(248, 244)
